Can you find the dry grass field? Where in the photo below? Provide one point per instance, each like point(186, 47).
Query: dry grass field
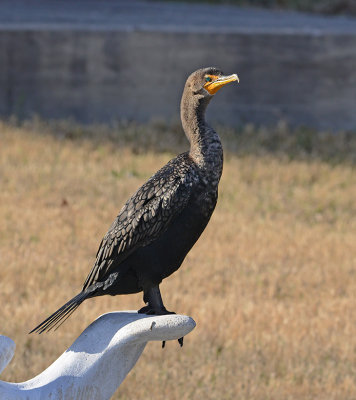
point(271, 283)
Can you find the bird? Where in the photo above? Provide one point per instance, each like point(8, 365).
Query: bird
point(163, 219)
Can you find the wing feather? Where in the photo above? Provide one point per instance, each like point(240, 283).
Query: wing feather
point(145, 216)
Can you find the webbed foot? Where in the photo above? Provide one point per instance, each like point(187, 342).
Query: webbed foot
point(154, 306)
point(154, 311)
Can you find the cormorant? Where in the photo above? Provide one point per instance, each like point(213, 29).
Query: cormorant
point(160, 223)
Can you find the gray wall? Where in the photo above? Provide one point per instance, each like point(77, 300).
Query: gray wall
point(102, 75)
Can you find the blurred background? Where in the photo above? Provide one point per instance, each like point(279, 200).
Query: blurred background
point(98, 61)
point(89, 109)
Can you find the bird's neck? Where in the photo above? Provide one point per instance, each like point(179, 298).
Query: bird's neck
point(205, 145)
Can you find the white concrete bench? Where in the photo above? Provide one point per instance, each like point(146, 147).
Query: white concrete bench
point(98, 361)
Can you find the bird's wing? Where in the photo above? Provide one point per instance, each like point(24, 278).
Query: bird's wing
point(145, 216)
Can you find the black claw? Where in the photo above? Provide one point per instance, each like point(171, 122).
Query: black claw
point(180, 341)
point(144, 310)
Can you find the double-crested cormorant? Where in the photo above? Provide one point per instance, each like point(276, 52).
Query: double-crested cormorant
point(160, 223)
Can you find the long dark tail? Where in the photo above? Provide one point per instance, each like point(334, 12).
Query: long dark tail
point(58, 317)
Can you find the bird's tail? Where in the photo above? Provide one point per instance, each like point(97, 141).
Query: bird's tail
point(57, 318)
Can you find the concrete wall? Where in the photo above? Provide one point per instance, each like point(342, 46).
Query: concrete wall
point(305, 78)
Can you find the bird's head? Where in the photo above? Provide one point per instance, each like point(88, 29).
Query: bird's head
point(207, 81)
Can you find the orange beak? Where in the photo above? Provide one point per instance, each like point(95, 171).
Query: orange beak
point(219, 81)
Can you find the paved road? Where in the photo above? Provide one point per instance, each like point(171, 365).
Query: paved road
point(128, 15)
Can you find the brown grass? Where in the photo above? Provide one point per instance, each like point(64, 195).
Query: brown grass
point(271, 283)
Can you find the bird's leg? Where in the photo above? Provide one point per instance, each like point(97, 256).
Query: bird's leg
point(154, 306)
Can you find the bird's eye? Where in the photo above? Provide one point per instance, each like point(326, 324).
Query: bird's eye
point(208, 79)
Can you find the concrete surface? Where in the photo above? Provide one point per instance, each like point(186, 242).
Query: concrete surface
point(99, 360)
point(7, 351)
point(107, 60)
